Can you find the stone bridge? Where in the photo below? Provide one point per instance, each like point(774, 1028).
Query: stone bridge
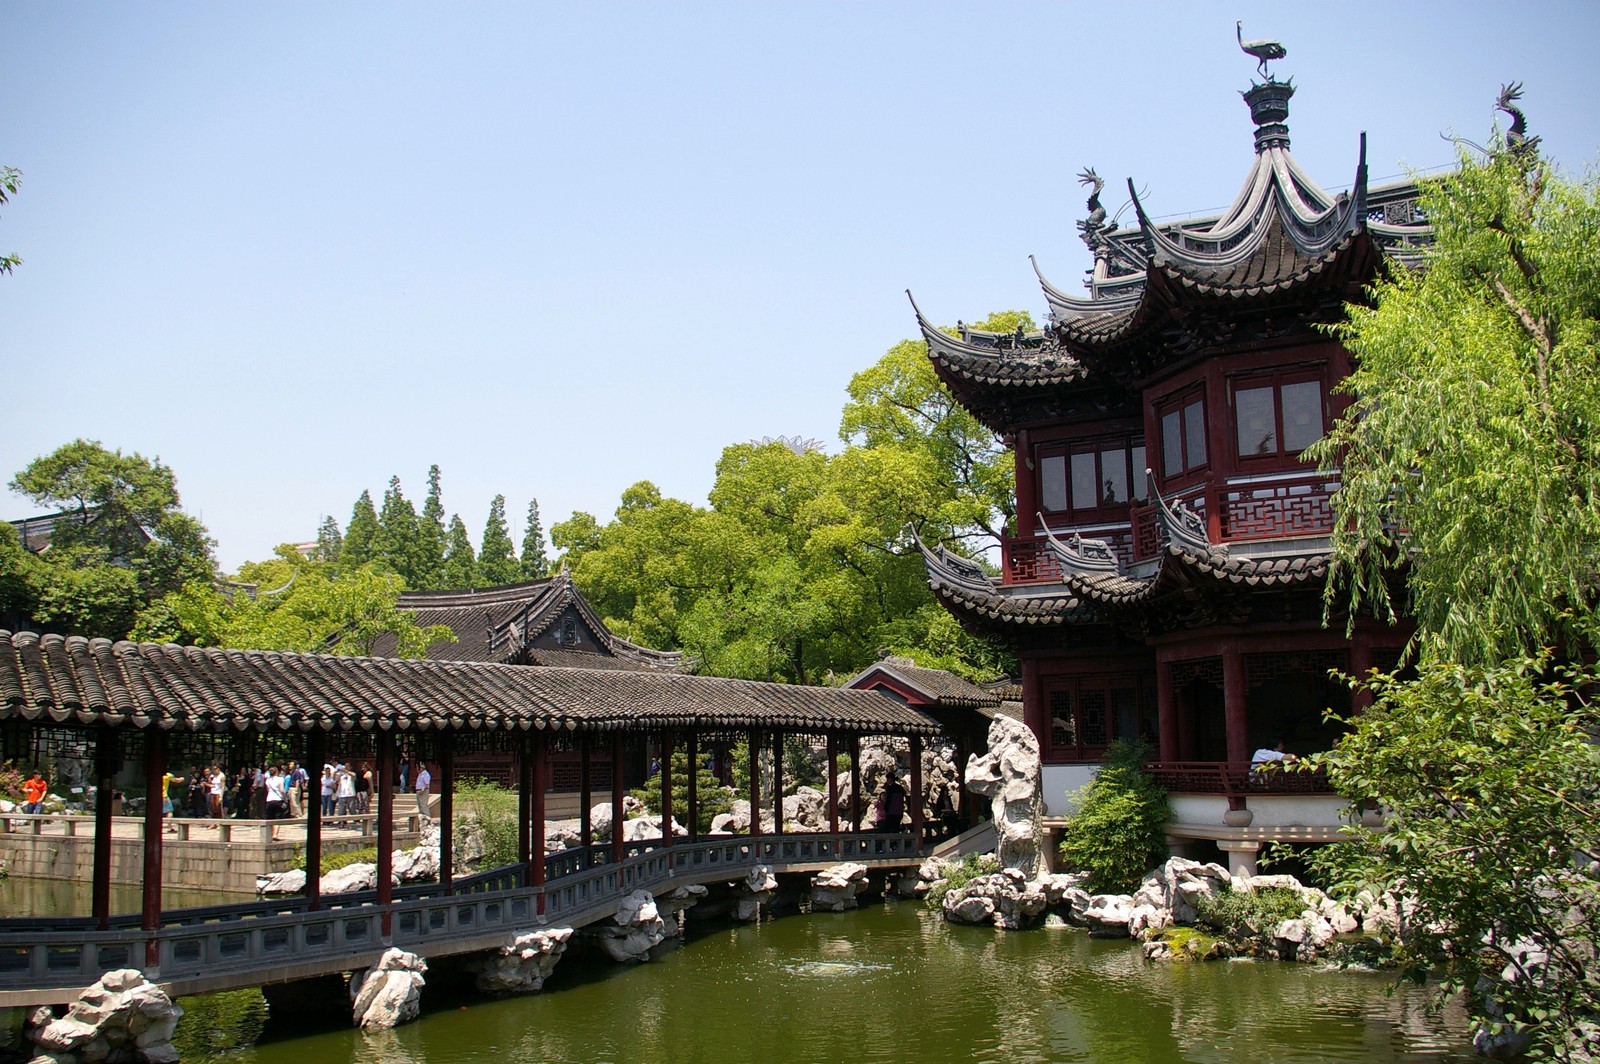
point(50, 961)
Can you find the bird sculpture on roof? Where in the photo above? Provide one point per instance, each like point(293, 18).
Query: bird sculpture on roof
point(1263, 50)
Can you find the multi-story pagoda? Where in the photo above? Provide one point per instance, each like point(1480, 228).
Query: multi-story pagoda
point(1166, 573)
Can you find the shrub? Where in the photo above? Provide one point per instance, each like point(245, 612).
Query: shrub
point(1249, 912)
point(1116, 835)
point(492, 811)
point(713, 800)
point(332, 862)
point(957, 876)
point(11, 778)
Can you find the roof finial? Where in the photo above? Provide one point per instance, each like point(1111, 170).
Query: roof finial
point(1263, 50)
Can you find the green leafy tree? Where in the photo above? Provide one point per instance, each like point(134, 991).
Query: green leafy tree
point(10, 182)
point(497, 558)
point(360, 534)
point(1487, 778)
point(1470, 467)
point(899, 403)
point(395, 542)
point(460, 560)
point(122, 540)
point(1469, 455)
point(535, 561)
point(292, 604)
point(575, 537)
point(330, 541)
point(429, 554)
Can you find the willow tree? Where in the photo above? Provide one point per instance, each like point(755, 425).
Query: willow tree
point(1470, 459)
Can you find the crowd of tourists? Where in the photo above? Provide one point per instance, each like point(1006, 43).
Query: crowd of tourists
point(271, 792)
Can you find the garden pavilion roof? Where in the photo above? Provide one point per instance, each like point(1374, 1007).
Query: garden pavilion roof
point(70, 680)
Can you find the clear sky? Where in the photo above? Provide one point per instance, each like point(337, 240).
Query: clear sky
point(294, 248)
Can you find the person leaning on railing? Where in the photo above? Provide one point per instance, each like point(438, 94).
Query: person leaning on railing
point(1265, 758)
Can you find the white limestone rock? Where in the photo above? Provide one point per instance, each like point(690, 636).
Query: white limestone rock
point(637, 929)
point(349, 879)
point(523, 964)
point(649, 827)
point(120, 1017)
point(290, 882)
point(835, 889)
point(1108, 915)
point(390, 992)
point(1008, 774)
point(752, 892)
point(1007, 899)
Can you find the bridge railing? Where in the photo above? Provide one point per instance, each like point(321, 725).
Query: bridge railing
point(259, 936)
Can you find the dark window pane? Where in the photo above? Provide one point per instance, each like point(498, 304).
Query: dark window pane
point(1258, 432)
point(1063, 726)
point(1141, 484)
point(1172, 444)
point(1085, 492)
point(1113, 477)
point(1125, 712)
point(1302, 415)
point(1053, 483)
point(1092, 704)
point(1194, 433)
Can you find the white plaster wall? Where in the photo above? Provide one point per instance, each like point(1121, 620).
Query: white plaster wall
point(1297, 811)
point(1059, 781)
point(1197, 808)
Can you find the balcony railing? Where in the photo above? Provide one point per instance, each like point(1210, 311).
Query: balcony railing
point(1237, 779)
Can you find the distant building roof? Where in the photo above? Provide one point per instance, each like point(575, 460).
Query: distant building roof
point(539, 622)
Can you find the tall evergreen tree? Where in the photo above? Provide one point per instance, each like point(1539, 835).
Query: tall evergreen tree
point(535, 562)
point(430, 536)
point(359, 533)
point(497, 556)
point(329, 541)
point(396, 538)
point(460, 561)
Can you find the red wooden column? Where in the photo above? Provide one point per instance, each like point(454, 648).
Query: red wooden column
point(316, 756)
point(694, 784)
point(666, 788)
point(385, 796)
point(105, 771)
point(1235, 719)
point(619, 848)
point(916, 789)
point(777, 782)
point(447, 810)
point(833, 782)
point(586, 797)
point(855, 782)
point(155, 770)
point(1166, 712)
point(538, 781)
point(754, 744)
point(525, 806)
point(1360, 663)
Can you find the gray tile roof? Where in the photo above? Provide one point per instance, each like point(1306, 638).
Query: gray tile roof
point(72, 680)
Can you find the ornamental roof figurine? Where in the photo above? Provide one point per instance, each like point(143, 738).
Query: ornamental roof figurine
point(1264, 51)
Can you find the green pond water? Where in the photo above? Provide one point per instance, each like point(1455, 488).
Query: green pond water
point(885, 983)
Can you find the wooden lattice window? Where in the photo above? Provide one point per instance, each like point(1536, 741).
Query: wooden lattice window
point(1088, 712)
point(1277, 415)
point(1092, 479)
point(1183, 434)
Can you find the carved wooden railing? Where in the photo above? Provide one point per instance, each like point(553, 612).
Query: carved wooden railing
point(1237, 779)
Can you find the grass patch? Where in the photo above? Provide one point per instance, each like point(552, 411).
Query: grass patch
point(1250, 912)
point(956, 876)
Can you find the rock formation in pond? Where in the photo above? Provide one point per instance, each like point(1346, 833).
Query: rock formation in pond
point(122, 1017)
point(835, 889)
point(390, 992)
point(1009, 775)
point(754, 891)
point(523, 964)
point(637, 928)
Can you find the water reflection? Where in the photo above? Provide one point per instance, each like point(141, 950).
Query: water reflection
point(893, 984)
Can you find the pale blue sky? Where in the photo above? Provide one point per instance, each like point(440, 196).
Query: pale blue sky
point(295, 248)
